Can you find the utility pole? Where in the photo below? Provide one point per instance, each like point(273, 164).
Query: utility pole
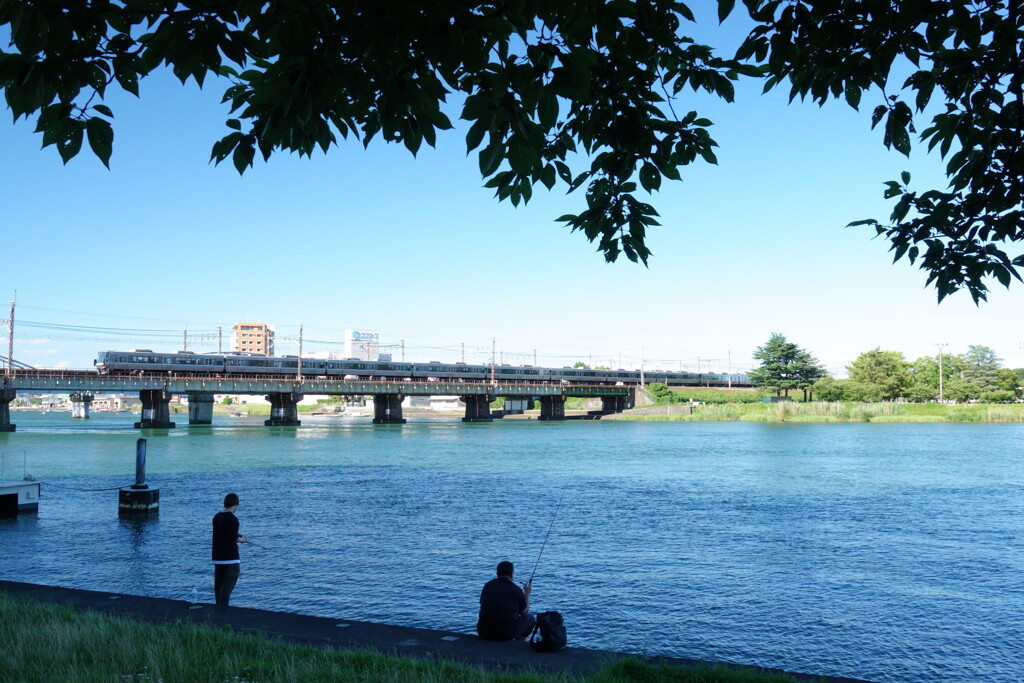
point(184, 338)
point(729, 366)
point(299, 365)
point(463, 352)
point(403, 350)
point(641, 366)
point(493, 347)
point(10, 337)
point(941, 346)
point(220, 338)
point(535, 358)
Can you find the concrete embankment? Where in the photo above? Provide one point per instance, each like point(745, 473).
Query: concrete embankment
point(345, 634)
point(651, 410)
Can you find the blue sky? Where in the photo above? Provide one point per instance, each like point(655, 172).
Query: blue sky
point(419, 251)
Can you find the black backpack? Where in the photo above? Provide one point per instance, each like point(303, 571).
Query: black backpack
point(552, 632)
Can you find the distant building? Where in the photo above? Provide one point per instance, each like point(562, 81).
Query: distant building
point(362, 344)
point(253, 338)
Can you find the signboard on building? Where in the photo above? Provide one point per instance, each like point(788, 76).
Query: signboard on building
point(362, 344)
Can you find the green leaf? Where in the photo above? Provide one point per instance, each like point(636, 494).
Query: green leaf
point(101, 139)
point(548, 108)
point(104, 109)
point(244, 154)
point(491, 157)
point(724, 9)
point(70, 141)
point(650, 177)
point(877, 114)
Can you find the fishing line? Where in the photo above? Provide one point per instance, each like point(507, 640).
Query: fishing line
point(550, 526)
point(259, 546)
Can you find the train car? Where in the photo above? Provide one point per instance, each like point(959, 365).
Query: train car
point(284, 366)
point(241, 363)
point(135, 361)
point(435, 371)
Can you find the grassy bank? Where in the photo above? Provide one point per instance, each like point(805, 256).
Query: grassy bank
point(848, 412)
point(44, 642)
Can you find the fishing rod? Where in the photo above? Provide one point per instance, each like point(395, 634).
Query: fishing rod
point(550, 526)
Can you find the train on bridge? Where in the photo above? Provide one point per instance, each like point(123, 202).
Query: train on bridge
point(145, 361)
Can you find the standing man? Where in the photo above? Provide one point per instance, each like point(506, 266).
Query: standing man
point(226, 538)
point(504, 607)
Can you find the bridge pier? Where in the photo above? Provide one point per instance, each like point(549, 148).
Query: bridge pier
point(200, 408)
point(6, 396)
point(284, 411)
point(387, 409)
point(80, 405)
point(552, 407)
point(614, 404)
point(156, 410)
point(478, 408)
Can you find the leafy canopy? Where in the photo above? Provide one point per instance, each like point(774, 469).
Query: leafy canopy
point(965, 81)
point(539, 81)
point(583, 94)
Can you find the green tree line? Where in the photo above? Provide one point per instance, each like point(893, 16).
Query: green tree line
point(878, 375)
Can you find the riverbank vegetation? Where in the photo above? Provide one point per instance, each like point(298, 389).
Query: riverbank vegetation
point(47, 642)
point(847, 411)
point(877, 375)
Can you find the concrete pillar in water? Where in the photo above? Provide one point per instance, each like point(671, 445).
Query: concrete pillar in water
point(80, 405)
point(139, 499)
point(156, 410)
point(200, 408)
point(284, 410)
point(387, 409)
point(478, 408)
point(6, 396)
point(552, 407)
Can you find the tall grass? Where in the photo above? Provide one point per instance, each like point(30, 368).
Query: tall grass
point(792, 411)
point(45, 642)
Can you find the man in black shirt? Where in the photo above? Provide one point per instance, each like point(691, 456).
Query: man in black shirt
point(504, 607)
point(226, 538)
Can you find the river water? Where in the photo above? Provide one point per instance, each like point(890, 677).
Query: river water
point(890, 552)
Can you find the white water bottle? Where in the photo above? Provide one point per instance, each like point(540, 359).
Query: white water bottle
point(195, 596)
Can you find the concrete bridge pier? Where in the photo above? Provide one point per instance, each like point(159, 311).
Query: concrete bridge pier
point(156, 410)
point(80, 405)
point(6, 396)
point(552, 407)
point(284, 411)
point(200, 408)
point(387, 409)
point(478, 408)
point(614, 404)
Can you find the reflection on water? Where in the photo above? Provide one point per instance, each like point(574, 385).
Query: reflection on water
point(887, 552)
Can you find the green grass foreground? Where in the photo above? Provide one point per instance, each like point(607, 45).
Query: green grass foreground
point(47, 642)
point(847, 412)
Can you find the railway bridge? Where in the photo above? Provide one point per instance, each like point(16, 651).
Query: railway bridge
point(156, 391)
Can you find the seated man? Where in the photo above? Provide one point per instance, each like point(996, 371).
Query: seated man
point(504, 607)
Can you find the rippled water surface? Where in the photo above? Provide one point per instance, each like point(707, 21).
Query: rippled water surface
point(891, 552)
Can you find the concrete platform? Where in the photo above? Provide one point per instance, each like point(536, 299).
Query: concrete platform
point(353, 635)
point(18, 496)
